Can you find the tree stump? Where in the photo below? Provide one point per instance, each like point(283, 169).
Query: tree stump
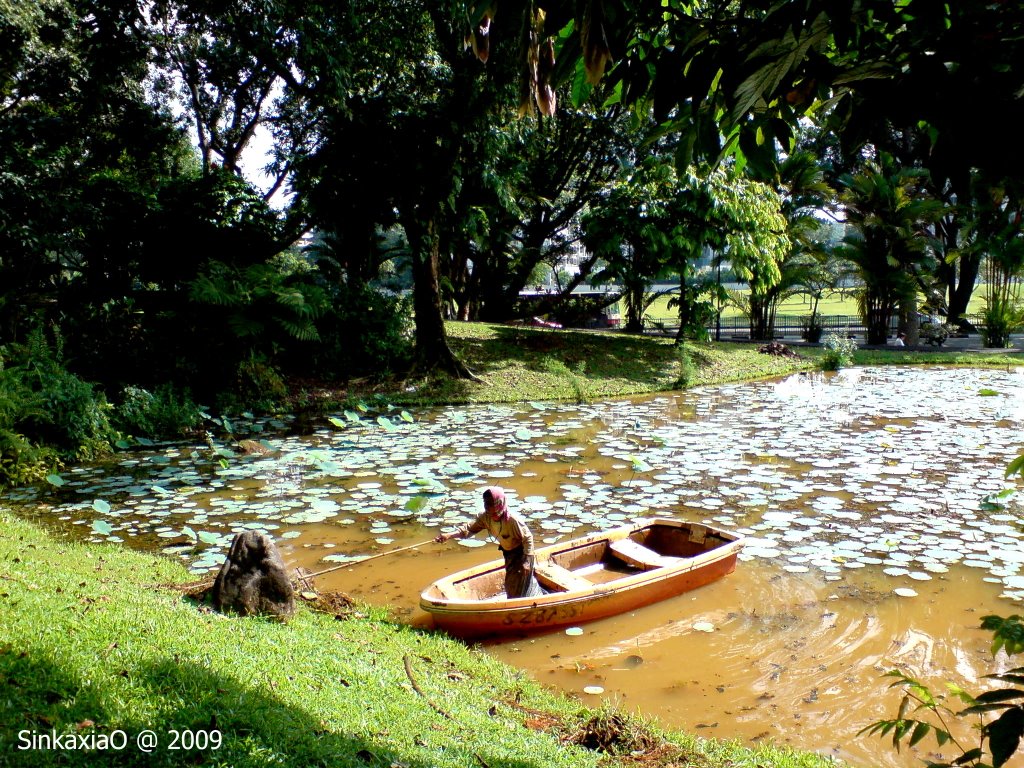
point(253, 579)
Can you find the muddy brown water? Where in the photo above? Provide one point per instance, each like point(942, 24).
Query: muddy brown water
point(791, 658)
point(848, 488)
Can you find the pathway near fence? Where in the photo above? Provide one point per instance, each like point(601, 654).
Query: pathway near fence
point(971, 342)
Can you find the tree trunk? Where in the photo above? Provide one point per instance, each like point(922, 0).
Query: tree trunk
point(960, 290)
point(684, 307)
point(909, 322)
point(432, 350)
point(959, 275)
point(879, 312)
point(634, 300)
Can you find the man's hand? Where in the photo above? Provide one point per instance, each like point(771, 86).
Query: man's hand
point(441, 538)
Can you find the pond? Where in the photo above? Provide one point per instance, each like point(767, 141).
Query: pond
point(879, 522)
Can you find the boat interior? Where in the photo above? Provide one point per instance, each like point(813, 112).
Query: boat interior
point(599, 562)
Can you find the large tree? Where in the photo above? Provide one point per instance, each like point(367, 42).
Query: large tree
point(83, 153)
point(530, 190)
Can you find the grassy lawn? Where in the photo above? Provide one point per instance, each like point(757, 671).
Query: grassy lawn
point(517, 364)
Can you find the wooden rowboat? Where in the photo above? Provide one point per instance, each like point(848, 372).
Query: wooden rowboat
point(598, 575)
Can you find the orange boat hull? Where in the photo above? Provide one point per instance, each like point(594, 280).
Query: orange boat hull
point(475, 618)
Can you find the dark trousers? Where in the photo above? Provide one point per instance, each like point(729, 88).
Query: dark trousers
point(519, 577)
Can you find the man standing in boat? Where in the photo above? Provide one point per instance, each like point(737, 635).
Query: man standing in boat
point(514, 540)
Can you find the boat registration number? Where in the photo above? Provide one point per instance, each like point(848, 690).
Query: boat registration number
point(541, 616)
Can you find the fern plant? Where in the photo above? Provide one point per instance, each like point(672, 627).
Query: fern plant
point(63, 410)
point(21, 460)
point(260, 297)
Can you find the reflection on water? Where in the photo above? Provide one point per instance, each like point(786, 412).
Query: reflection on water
point(854, 489)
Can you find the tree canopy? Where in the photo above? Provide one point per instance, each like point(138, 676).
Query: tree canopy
point(461, 146)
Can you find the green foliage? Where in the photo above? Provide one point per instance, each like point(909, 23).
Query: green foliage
point(889, 211)
point(67, 412)
point(366, 331)
point(1001, 317)
point(1007, 633)
point(261, 300)
point(1016, 467)
point(998, 232)
point(163, 413)
point(687, 367)
point(657, 222)
point(1001, 736)
point(77, 416)
point(259, 384)
point(806, 265)
point(21, 460)
point(838, 352)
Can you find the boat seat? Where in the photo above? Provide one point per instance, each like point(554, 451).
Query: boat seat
point(555, 576)
point(639, 556)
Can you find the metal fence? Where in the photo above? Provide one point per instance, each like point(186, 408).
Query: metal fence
point(791, 325)
point(785, 325)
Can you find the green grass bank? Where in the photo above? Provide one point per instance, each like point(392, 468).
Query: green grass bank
point(519, 364)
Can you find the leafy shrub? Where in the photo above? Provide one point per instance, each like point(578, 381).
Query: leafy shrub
point(69, 414)
point(838, 352)
point(76, 417)
point(365, 331)
point(1001, 318)
point(164, 413)
point(21, 461)
point(260, 385)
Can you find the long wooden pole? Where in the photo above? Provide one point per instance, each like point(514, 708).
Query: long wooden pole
point(366, 559)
